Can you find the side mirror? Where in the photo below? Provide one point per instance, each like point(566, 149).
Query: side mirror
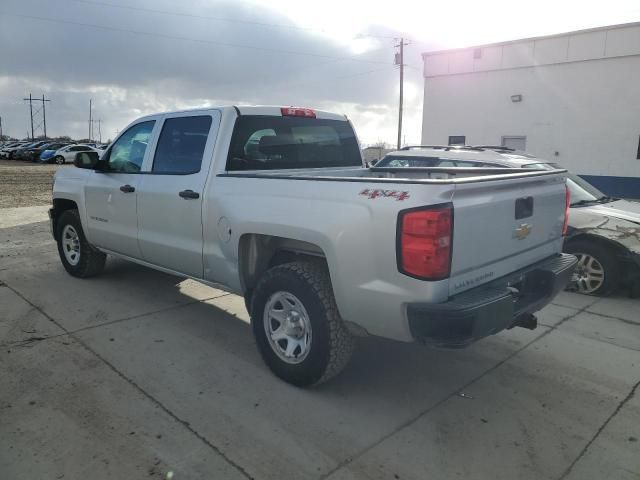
point(373, 162)
point(86, 160)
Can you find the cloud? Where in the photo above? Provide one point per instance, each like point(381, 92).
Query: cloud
point(184, 61)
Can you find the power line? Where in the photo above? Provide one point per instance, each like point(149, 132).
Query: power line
point(197, 40)
point(222, 19)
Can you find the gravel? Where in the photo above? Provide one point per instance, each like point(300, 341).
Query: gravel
point(25, 184)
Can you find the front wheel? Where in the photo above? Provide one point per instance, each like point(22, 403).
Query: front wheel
point(597, 271)
point(59, 160)
point(78, 256)
point(296, 324)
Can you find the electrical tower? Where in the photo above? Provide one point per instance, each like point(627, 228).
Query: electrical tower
point(40, 115)
point(92, 131)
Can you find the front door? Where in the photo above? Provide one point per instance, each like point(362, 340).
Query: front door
point(170, 196)
point(111, 195)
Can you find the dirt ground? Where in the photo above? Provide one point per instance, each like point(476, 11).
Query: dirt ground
point(25, 184)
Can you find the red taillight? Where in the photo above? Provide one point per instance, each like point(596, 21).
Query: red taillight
point(425, 238)
point(297, 112)
point(567, 205)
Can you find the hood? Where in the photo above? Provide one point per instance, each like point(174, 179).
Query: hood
point(621, 209)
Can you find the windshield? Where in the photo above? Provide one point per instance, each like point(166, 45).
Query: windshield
point(580, 191)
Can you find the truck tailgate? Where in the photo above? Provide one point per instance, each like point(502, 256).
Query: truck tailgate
point(502, 226)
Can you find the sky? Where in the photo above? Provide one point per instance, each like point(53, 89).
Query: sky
point(135, 57)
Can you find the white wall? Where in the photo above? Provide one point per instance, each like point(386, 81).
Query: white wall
point(586, 110)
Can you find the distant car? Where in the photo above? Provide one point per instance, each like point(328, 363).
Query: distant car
point(68, 154)
point(10, 152)
point(4, 150)
point(604, 232)
point(45, 153)
point(25, 152)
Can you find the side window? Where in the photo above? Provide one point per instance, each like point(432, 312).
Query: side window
point(127, 152)
point(398, 163)
point(181, 145)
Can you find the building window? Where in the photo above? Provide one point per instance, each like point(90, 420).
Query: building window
point(638, 154)
point(477, 53)
point(457, 140)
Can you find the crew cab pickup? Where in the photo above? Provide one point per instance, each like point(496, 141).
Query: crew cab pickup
point(275, 204)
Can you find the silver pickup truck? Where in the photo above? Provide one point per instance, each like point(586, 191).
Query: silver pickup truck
point(276, 205)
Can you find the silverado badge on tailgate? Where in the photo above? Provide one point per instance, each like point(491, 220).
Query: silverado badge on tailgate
point(522, 231)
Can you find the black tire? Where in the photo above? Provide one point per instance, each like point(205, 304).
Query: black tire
point(59, 160)
point(91, 261)
point(331, 343)
point(605, 256)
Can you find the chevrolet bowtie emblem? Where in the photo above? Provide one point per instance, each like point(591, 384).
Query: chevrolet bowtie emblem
point(522, 231)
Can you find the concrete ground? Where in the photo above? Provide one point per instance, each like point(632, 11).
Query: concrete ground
point(135, 374)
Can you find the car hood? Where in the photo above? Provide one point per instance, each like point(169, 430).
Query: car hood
point(621, 209)
point(618, 221)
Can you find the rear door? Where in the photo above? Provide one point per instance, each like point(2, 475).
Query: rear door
point(503, 225)
point(170, 195)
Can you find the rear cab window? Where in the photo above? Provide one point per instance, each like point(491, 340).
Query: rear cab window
point(265, 142)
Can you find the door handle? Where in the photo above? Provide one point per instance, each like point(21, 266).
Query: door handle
point(127, 189)
point(189, 194)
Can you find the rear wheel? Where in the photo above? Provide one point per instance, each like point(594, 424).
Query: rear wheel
point(78, 256)
point(295, 321)
point(59, 160)
point(598, 270)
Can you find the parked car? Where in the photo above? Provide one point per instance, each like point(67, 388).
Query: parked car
point(4, 151)
point(33, 153)
point(10, 152)
point(603, 232)
point(47, 152)
point(67, 154)
point(320, 247)
point(24, 153)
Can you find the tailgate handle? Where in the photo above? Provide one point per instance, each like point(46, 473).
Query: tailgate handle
point(524, 207)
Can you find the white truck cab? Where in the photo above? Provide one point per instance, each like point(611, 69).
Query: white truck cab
point(275, 204)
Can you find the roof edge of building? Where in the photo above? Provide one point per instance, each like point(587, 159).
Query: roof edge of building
point(528, 39)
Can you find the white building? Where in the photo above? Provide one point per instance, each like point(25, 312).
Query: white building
point(573, 98)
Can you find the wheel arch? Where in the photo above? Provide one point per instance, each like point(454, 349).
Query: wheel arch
point(603, 241)
point(61, 205)
point(257, 253)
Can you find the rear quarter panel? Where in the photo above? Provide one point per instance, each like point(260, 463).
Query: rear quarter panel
point(356, 232)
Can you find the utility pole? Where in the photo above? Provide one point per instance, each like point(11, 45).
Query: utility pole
point(44, 116)
point(90, 121)
point(30, 111)
point(400, 62)
point(1, 136)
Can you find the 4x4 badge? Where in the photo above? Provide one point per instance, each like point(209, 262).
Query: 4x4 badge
point(375, 193)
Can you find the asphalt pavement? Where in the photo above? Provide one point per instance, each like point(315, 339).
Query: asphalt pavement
point(138, 374)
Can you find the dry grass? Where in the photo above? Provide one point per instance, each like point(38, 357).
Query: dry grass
point(25, 184)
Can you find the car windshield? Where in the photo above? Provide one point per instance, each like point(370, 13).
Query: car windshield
point(581, 192)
